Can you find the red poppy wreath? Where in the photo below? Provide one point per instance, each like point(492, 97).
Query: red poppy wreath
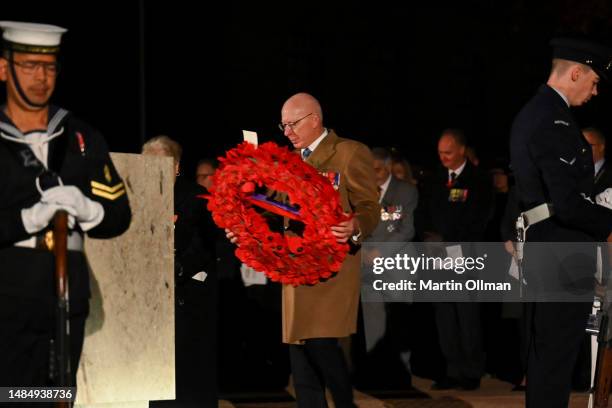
point(234, 203)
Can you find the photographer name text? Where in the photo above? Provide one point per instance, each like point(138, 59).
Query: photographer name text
point(435, 286)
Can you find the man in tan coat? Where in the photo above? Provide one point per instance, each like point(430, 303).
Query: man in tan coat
point(314, 317)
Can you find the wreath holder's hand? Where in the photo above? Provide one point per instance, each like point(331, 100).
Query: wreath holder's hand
point(280, 169)
point(231, 236)
point(344, 230)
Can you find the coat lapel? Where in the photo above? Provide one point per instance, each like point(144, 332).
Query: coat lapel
point(464, 176)
point(600, 173)
point(324, 151)
point(388, 197)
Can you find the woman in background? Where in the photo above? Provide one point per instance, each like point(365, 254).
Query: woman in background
point(401, 169)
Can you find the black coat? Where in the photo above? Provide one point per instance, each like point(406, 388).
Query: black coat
point(462, 218)
point(80, 157)
point(553, 163)
point(27, 286)
point(195, 299)
point(511, 212)
point(194, 232)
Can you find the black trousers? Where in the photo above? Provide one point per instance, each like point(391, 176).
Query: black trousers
point(317, 364)
point(460, 337)
point(556, 333)
point(195, 346)
point(26, 329)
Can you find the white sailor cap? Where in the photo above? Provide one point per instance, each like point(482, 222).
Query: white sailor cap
point(31, 37)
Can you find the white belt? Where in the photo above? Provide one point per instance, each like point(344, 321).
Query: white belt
point(75, 241)
point(537, 214)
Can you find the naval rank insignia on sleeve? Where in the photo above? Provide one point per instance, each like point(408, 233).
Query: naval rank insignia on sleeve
point(107, 191)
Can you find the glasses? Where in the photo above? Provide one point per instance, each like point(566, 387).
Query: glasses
point(292, 125)
point(30, 67)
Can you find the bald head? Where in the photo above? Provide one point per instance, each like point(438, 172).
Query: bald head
point(304, 103)
point(302, 119)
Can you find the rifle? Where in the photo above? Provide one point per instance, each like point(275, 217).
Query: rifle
point(62, 340)
point(521, 232)
point(603, 370)
point(602, 381)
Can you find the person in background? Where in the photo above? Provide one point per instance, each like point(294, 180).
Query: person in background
point(471, 155)
point(394, 194)
point(455, 207)
point(401, 168)
point(195, 287)
point(204, 172)
point(385, 324)
point(602, 170)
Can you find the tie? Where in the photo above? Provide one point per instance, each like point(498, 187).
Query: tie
point(453, 177)
point(305, 153)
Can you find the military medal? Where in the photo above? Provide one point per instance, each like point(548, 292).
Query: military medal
point(81, 143)
point(333, 177)
point(391, 213)
point(457, 195)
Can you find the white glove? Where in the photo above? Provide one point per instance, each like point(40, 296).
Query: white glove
point(40, 214)
point(88, 213)
point(605, 198)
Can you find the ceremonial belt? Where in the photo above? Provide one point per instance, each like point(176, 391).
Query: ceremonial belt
point(530, 217)
point(45, 240)
point(537, 214)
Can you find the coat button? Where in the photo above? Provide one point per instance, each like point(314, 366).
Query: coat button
point(180, 271)
point(181, 302)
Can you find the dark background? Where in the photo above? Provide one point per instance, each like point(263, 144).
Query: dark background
point(385, 74)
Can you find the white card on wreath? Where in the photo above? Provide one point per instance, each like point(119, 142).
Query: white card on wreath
point(250, 137)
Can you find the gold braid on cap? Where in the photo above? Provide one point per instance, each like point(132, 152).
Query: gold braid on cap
point(32, 49)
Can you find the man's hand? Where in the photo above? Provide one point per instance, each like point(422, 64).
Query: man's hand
point(40, 214)
point(345, 229)
point(88, 213)
point(231, 236)
point(509, 247)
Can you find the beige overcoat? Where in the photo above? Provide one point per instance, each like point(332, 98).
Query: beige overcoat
point(329, 309)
